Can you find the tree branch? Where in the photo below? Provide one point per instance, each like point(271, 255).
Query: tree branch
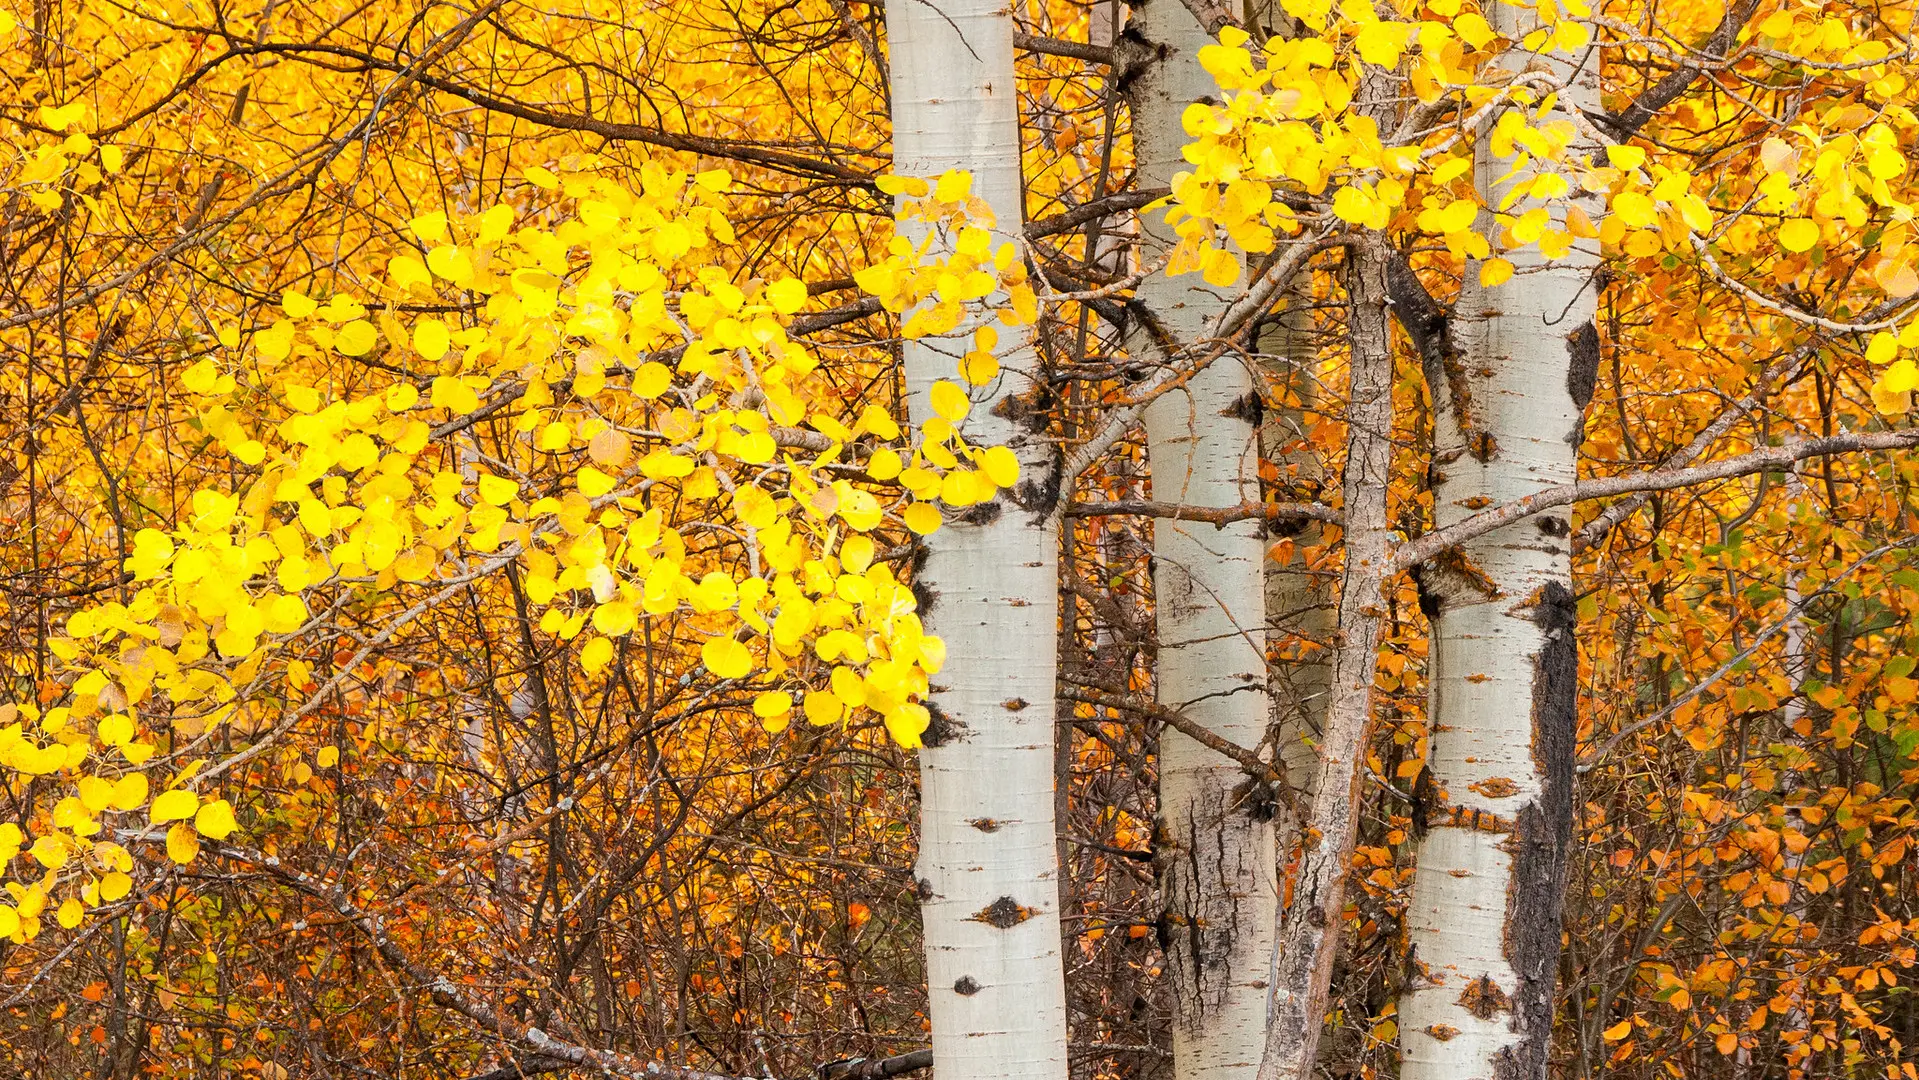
point(1270, 772)
point(1212, 515)
point(1078, 50)
point(1627, 122)
point(1781, 371)
point(1771, 458)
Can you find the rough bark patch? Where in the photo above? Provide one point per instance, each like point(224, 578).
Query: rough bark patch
point(1005, 913)
point(940, 727)
point(982, 513)
point(966, 986)
point(1541, 842)
point(1582, 370)
point(1484, 999)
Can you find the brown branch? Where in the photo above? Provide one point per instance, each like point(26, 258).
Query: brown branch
point(1098, 208)
point(1211, 515)
point(1271, 772)
point(1779, 372)
point(1078, 50)
point(1771, 458)
point(1627, 122)
point(877, 1068)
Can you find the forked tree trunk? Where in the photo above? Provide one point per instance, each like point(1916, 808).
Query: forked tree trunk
point(988, 870)
point(1484, 923)
point(1215, 845)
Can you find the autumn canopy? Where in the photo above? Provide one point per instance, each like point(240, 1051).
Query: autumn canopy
point(1163, 539)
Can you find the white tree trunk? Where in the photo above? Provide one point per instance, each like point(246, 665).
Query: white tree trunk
point(988, 870)
point(1218, 892)
point(1484, 922)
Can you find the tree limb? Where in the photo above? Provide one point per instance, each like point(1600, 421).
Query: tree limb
point(1768, 459)
point(1078, 50)
point(1212, 515)
point(1627, 122)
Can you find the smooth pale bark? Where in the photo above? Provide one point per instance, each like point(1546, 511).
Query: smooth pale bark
point(1310, 926)
point(1218, 895)
point(1483, 926)
point(988, 871)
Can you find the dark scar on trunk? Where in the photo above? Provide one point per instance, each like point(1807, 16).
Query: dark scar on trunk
point(1540, 844)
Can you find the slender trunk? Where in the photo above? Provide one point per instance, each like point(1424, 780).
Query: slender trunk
point(1215, 846)
point(1310, 928)
point(1300, 600)
point(988, 871)
point(1484, 921)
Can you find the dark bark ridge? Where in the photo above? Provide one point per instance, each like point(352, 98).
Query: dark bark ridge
point(1541, 841)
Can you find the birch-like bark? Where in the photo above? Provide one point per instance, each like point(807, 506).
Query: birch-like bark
point(988, 871)
point(1310, 927)
point(1483, 925)
point(1217, 890)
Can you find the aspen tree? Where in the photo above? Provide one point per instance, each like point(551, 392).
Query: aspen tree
point(1217, 885)
point(1483, 925)
point(988, 866)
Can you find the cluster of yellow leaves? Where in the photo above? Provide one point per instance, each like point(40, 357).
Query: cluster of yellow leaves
point(1288, 131)
point(655, 405)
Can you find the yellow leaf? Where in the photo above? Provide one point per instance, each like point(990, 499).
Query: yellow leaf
point(174, 805)
point(297, 304)
point(1495, 272)
point(50, 851)
point(498, 490)
point(949, 401)
point(129, 792)
point(1000, 465)
point(356, 338)
point(1473, 28)
point(594, 483)
point(772, 704)
point(1619, 1031)
point(183, 844)
point(431, 339)
point(1901, 376)
point(595, 655)
point(954, 185)
point(615, 619)
point(1798, 234)
point(430, 228)
point(70, 913)
point(907, 723)
point(726, 657)
point(822, 708)
point(787, 296)
point(328, 757)
point(922, 518)
point(652, 379)
point(114, 886)
point(215, 820)
point(1882, 348)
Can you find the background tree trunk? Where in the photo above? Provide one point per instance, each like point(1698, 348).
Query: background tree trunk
point(1217, 890)
point(988, 866)
point(1310, 928)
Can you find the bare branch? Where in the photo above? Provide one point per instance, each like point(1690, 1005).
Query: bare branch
point(1769, 459)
